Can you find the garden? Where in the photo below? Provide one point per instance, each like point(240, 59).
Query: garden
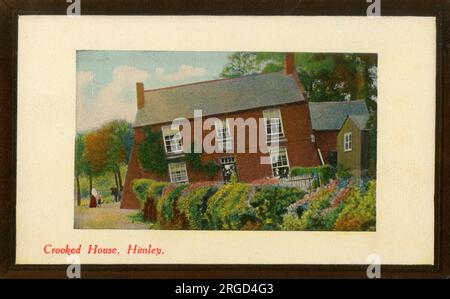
point(340, 204)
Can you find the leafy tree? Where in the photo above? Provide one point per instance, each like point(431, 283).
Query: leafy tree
point(120, 141)
point(80, 163)
point(95, 154)
point(326, 76)
point(241, 63)
point(103, 150)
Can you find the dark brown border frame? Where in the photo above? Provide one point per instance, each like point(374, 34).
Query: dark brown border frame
point(9, 12)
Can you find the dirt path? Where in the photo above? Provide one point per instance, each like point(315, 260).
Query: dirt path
point(109, 216)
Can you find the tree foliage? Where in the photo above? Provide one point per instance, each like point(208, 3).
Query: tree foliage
point(326, 76)
point(151, 154)
point(103, 150)
point(240, 63)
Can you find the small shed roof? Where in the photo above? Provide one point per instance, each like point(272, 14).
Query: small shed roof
point(360, 120)
point(327, 116)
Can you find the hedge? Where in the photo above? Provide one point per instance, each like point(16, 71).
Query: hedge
point(145, 188)
point(166, 205)
point(271, 202)
point(228, 208)
point(339, 206)
point(193, 206)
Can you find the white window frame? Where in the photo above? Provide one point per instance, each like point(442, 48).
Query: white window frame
point(175, 141)
point(179, 178)
point(348, 142)
point(273, 123)
point(223, 143)
point(277, 151)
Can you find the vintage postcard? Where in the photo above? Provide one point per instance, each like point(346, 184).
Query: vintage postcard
point(226, 141)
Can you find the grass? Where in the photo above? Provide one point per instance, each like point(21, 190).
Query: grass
point(109, 216)
point(138, 218)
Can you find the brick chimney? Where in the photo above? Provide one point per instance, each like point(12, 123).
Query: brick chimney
point(289, 64)
point(140, 94)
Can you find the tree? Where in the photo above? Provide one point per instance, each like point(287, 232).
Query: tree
point(95, 154)
point(325, 76)
point(104, 150)
point(80, 163)
point(120, 144)
point(241, 63)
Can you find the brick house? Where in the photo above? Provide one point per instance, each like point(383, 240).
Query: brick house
point(307, 132)
point(278, 98)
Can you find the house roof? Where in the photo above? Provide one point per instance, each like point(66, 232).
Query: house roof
point(360, 120)
point(331, 115)
point(217, 97)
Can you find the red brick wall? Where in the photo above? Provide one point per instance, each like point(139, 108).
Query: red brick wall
point(297, 129)
point(326, 141)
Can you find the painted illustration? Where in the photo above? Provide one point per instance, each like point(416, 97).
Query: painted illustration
point(226, 141)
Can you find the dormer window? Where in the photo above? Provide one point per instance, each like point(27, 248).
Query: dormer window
point(172, 139)
point(274, 124)
point(223, 136)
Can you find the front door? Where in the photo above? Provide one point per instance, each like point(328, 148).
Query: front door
point(228, 166)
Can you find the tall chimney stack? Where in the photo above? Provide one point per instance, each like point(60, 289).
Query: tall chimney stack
point(289, 64)
point(140, 94)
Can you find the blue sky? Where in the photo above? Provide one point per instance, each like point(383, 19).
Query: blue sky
point(106, 79)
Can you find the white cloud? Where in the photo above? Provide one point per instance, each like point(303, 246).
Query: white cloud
point(84, 79)
point(117, 100)
point(183, 72)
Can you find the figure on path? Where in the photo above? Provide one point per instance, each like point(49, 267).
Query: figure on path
point(93, 198)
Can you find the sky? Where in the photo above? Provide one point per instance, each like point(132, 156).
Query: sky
point(106, 80)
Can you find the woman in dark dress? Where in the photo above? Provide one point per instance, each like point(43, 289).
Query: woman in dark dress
point(93, 199)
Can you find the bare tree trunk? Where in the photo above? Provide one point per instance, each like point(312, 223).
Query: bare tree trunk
point(119, 176)
point(78, 191)
point(117, 186)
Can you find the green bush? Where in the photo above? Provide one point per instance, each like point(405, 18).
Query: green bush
point(193, 206)
point(325, 172)
point(359, 212)
point(343, 173)
point(329, 219)
point(291, 222)
point(145, 188)
point(228, 208)
point(165, 204)
point(271, 202)
point(312, 217)
point(141, 188)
